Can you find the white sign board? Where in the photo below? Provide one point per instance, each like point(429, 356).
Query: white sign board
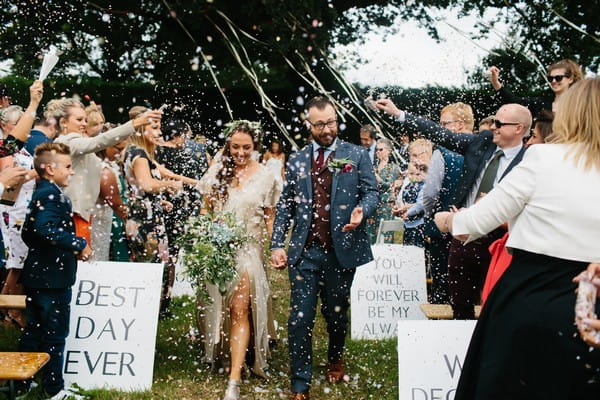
point(388, 289)
point(114, 317)
point(183, 284)
point(430, 358)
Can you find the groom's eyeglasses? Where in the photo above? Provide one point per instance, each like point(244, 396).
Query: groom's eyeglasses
point(319, 126)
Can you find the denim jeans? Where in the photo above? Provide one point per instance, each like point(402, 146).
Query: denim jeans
point(47, 312)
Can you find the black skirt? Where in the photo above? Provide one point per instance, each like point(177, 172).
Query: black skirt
point(525, 344)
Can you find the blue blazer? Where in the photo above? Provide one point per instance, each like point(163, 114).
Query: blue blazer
point(348, 190)
point(476, 149)
point(49, 233)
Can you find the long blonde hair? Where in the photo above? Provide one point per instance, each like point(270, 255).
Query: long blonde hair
point(577, 121)
point(138, 138)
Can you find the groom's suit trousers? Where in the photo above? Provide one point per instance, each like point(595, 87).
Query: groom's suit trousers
point(318, 273)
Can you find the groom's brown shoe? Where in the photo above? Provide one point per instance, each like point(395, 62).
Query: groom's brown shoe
point(335, 371)
point(300, 396)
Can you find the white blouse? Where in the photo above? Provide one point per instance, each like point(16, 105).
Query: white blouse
point(552, 206)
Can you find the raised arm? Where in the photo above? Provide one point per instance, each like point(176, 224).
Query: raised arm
point(457, 142)
point(23, 128)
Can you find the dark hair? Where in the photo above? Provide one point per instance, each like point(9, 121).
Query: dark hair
point(371, 129)
point(173, 128)
point(543, 121)
point(319, 102)
point(45, 154)
point(225, 175)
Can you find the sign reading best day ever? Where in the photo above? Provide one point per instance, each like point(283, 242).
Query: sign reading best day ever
point(112, 332)
point(387, 290)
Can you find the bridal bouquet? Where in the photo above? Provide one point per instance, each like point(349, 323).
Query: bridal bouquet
point(209, 245)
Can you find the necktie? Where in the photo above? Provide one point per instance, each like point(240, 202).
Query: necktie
point(487, 182)
point(320, 158)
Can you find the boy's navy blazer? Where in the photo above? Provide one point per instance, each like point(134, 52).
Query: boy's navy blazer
point(49, 232)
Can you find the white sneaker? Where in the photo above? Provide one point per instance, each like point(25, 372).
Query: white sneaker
point(65, 394)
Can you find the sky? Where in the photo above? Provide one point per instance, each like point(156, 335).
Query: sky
point(411, 58)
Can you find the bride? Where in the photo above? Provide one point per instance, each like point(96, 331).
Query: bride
point(240, 185)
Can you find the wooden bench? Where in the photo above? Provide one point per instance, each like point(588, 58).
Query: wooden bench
point(442, 311)
point(19, 366)
point(12, 301)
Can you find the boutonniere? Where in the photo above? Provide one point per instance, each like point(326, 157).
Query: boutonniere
point(341, 165)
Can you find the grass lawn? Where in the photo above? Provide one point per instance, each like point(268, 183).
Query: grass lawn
point(178, 373)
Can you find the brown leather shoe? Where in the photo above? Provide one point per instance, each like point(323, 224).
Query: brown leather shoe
point(300, 396)
point(335, 371)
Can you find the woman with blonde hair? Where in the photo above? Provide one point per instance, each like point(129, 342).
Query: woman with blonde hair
point(525, 344)
point(95, 119)
point(85, 184)
point(146, 181)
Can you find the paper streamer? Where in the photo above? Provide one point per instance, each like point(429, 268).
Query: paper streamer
point(50, 60)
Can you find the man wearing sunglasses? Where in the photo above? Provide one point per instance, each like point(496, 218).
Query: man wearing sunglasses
point(488, 157)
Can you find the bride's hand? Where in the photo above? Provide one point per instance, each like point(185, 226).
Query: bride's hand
point(278, 259)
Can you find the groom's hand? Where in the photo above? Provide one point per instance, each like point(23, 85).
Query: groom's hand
point(355, 219)
point(278, 259)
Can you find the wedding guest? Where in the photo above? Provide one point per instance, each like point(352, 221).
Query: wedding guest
point(20, 132)
point(147, 182)
point(9, 118)
point(85, 186)
point(44, 130)
point(443, 174)
point(111, 209)
point(274, 160)
point(328, 241)
point(242, 186)
point(386, 173)
point(488, 158)
point(561, 75)
point(525, 344)
point(368, 140)
point(410, 207)
point(50, 266)
point(95, 119)
point(542, 128)
point(486, 124)
point(173, 154)
point(13, 207)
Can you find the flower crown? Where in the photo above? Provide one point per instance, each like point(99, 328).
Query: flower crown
point(233, 126)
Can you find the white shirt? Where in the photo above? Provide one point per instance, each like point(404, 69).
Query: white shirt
point(371, 150)
point(551, 204)
point(503, 163)
point(316, 146)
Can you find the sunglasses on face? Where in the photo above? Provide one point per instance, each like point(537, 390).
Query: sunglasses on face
point(380, 149)
point(499, 124)
point(556, 78)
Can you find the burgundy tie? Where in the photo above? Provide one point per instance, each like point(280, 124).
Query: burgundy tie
point(320, 158)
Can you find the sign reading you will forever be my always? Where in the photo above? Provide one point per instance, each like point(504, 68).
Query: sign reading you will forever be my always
point(114, 318)
point(388, 289)
point(430, 358)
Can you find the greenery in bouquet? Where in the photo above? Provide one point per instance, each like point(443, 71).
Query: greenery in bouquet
point(209, 243)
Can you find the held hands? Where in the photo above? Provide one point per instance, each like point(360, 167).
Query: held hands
point(278, 259)
point(355, 219)
point(388, 107)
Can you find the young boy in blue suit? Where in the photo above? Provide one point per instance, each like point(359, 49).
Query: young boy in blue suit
point(51, 264)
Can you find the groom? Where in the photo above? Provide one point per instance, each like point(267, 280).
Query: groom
point(330, 191)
